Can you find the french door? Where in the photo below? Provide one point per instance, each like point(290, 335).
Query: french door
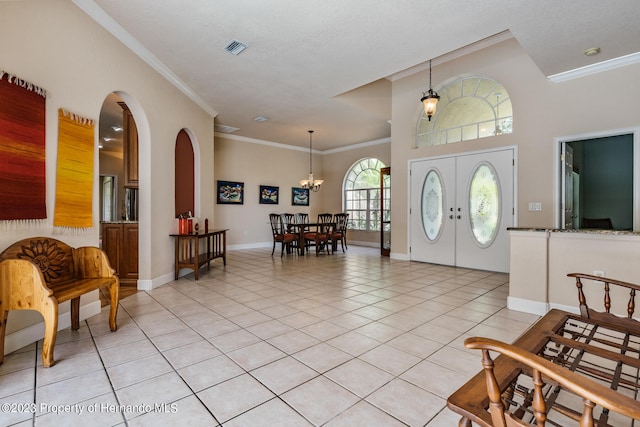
point(461, 207)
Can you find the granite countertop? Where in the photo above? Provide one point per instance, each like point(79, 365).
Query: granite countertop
point(579, 230)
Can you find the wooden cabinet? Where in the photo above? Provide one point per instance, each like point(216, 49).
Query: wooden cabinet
point(130, 147)
point(120, 243)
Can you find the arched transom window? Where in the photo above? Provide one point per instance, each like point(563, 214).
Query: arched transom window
point(469, 108)
point(362, 194)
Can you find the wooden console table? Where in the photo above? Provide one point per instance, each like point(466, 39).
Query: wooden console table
point(188, 250)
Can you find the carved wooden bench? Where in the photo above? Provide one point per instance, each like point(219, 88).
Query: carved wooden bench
point(566, 369)
point(40, 272)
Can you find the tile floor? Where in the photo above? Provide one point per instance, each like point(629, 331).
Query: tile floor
point(336, 340)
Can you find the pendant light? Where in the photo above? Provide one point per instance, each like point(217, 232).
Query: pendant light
point(310, 183)
point(430, 98)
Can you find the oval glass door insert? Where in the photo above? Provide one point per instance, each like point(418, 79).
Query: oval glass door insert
point(432, 205)
point(484, 204)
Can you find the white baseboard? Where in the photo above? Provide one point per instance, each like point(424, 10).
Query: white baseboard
point(527, 306)
point(399, 256)
point(33, 333)
point(148, 285)
point(569, 308)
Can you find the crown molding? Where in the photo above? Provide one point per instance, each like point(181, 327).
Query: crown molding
point(588, 70)
point(108, 23)
point(296, 148)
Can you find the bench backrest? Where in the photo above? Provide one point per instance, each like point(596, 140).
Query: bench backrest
point(606, 314)
point(53, 257)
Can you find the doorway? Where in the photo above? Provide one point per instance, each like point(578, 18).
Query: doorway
point(597, 185)
point(461, 207)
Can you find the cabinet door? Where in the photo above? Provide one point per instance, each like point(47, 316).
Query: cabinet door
point(129, 262)
point(130, 147)
point(111, 243)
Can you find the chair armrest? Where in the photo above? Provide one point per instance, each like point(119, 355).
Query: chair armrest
point(90, 261)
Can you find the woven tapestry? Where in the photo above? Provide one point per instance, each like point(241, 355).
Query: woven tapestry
point(22, 150)
point(74, 173)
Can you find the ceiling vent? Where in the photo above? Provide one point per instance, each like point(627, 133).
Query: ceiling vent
point(224, 128)
point(235, 47)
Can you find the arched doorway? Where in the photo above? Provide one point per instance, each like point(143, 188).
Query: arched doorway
point(119, 166)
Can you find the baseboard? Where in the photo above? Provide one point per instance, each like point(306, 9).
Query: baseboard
point(569, 308)
point(33, 333)
point(538, 308)
point(400, 256)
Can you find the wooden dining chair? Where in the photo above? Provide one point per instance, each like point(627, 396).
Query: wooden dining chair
point(318, 237)
point(280, 234)
point(340, 232)
point(288, 222)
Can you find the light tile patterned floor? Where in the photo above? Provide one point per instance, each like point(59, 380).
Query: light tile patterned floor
point(336, 340)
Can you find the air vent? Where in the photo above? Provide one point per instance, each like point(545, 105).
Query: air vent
point(224, 129)
point(235, 47)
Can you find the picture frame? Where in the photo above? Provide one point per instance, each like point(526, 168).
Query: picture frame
point(230, 193)
point(299, 196)
point(269, 195)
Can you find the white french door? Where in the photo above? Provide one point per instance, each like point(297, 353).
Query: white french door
point(461, 207)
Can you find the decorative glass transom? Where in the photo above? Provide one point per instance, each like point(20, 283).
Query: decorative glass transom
point(470, 107)
point(484, 204)
point(432, 205)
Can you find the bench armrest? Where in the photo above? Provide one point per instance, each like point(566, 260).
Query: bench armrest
point(22, 285)
point(90, 261)
point(592, 392)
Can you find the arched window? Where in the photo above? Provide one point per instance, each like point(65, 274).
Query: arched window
point(362, 194)
point(469, 108)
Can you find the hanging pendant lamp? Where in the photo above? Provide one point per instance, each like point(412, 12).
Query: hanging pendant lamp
point(430, 98)
point(310, 183)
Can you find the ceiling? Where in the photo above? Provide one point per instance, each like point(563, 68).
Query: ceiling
point(328, 65)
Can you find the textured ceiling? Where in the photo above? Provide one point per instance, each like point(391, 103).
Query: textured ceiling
point(326, 64)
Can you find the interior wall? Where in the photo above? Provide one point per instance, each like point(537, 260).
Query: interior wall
point(56, 46)
point(256, 163)
point(543, 110)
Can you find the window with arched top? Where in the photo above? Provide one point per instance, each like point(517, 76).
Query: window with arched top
point(470, 107)
point(362, 194)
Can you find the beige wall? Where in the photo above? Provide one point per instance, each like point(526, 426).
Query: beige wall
point(541, 260)
point(256, 163)
point(542, 110)
point(54, 45)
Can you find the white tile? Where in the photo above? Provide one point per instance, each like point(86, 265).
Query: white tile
point(230, 398)
point(407, 402)
point(319, 400)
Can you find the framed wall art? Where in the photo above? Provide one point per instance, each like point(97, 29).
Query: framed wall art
point(230, 193)
point(299, 196)
point(269, 195)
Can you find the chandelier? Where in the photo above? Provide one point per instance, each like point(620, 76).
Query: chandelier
point(310, 183)
point(430, 98)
